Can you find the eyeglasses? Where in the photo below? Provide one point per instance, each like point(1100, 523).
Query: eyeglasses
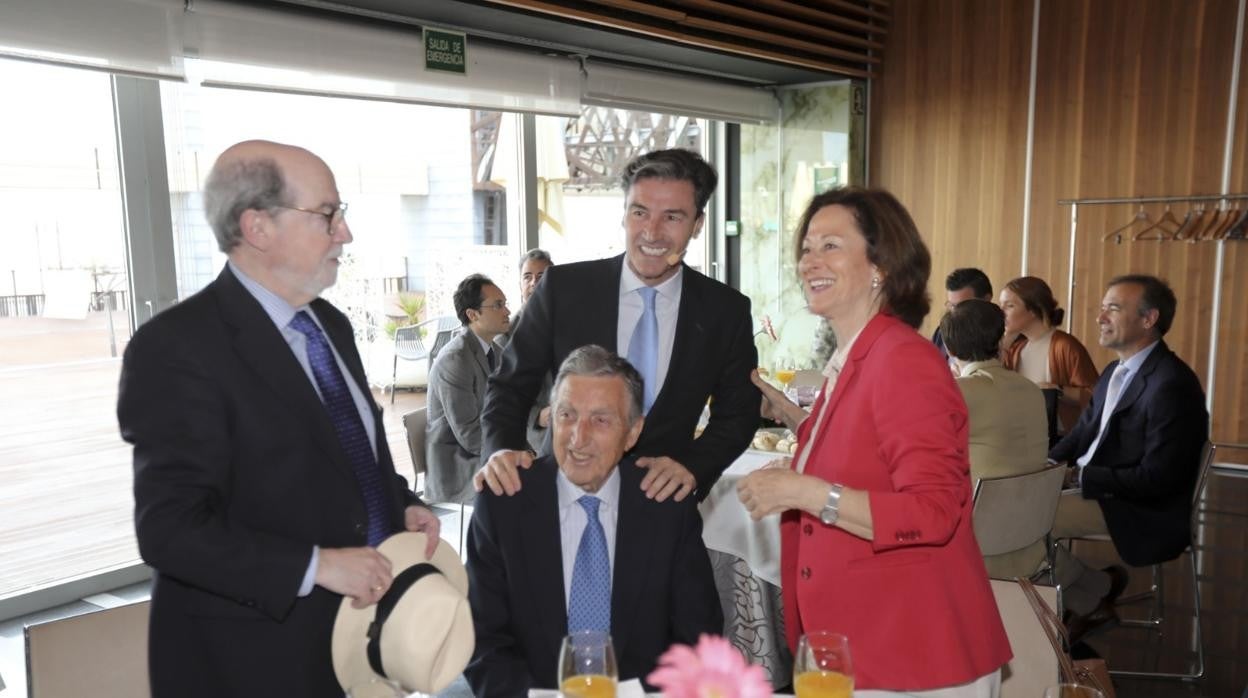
point(496, 305)
point(332, 218)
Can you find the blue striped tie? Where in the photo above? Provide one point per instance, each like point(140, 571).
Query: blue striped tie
point(345, 417)
point(589, 601)
point(643, 348)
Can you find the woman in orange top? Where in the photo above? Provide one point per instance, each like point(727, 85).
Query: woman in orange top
point(876, 536)
point(1048, 356)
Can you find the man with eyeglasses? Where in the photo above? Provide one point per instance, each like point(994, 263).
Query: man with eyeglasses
point(262, 479)
point(457, 390)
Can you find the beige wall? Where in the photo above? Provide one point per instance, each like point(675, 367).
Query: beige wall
point(1131, 98)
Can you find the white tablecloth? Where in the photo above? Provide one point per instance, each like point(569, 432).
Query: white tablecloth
point(727, 527)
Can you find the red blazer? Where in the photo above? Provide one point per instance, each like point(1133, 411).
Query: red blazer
point(915, 602)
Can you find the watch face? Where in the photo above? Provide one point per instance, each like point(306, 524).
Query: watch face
point(829, 515)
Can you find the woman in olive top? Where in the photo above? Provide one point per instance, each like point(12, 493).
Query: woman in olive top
point(1048, 356)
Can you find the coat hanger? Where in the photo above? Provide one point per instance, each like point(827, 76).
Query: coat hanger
point(1166, 226)
point(1191, 223)
point(1236, 229)
point(1228, 221)
point(1140, 216)
point(1211, 222)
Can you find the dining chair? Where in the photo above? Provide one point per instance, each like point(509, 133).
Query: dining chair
point(1034, 666)
point(101, 654)
point(414, 423)
point(1157, 591)
point(409, 345)
point(1014, 512)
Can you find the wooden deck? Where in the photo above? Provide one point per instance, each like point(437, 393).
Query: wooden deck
point(65, 472)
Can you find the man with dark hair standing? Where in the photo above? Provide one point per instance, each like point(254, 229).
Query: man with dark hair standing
point(262, 480)
point(533, 266)
point(1134, 453)
point(457, 390)
point(688, 335)
point(960, 285)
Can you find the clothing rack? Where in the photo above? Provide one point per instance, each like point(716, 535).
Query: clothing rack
point(1219, 264)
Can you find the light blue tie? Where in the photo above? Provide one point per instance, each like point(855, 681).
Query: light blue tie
point(643, 348)
point(589, 603)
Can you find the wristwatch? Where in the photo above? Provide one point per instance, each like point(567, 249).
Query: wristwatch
point(832, 510)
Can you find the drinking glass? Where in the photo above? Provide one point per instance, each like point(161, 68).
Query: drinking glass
point(1071, 690)
point(785, 374)
point(587, 665)
point(822, 667)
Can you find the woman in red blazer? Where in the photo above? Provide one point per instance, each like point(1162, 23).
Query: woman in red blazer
point(876, 530)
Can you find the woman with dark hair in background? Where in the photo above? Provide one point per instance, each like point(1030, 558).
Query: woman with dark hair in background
point(876, 536)
point(1049, 357)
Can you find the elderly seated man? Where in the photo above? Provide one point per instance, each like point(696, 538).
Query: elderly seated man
point(581, 547)
point(1008, 425)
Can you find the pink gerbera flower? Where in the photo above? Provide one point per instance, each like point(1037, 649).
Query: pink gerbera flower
point(713, 669)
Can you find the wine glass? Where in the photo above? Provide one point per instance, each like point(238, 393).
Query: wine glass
point(785, 374)
point(587, 665)
point(1072, 690)
point(822, 667)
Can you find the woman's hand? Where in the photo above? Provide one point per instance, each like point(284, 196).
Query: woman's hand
point(771, 489)
point(776, 405)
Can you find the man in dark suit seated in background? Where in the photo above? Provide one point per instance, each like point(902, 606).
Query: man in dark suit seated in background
point(962, 284)
point(581, 547)
point(689, 336)
point(1134, 453)
point(262, 480)
point(457, 390)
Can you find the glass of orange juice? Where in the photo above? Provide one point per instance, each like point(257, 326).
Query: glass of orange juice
point(822, 667)
point(587, 665)
point(785, 376)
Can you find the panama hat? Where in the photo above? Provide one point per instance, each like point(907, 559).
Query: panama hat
point(419, 635)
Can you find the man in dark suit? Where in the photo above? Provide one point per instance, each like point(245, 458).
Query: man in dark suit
point(532, 556)
point(962, 284)
point(690, 337)
point(457, 390)
point(262, 481)
point(1135, 451)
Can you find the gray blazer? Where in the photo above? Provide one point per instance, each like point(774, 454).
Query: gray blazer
point(453, 432)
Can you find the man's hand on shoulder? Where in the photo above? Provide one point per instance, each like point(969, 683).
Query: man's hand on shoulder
point(665, 478)
point(421, 519)
point(360, 573)
point(502, 471)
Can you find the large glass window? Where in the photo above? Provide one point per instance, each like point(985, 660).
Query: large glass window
point(579, 163)
point(818, 145)
point(63, 326)
point(425, 207)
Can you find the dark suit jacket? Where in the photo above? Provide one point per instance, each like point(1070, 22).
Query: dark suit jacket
point(662, 590)
point(579, 304)
point(1145, 468)
point(237, 474)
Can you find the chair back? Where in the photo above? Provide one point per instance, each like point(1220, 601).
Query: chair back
point(1207, 456)
point(1034, 666)
point(1012, 512)
point(1052, 396)
point(102, 654)
point(414, 424)
point(409, 341)
point(447, 327)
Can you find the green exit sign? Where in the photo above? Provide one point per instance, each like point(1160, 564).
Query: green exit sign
point(446, 51)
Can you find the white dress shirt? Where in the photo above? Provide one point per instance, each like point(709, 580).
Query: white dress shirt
point(666, 306)
point(572, 521)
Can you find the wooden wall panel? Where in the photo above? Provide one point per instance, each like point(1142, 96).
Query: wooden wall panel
point(1230, 408)
point(1131, 100)
point(952, 142)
